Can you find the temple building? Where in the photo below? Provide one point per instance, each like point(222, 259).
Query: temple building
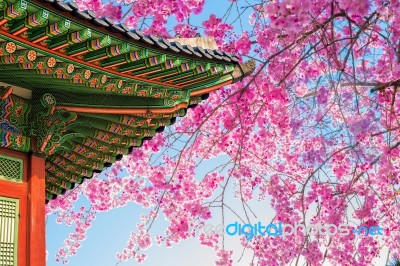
point(77, 93)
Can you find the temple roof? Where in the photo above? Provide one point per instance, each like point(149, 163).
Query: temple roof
point(84, 92)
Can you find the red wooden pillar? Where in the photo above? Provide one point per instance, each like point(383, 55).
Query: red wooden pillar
point(36, 240)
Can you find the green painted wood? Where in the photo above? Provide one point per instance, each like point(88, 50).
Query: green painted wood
point(131, 121)
point(106, 148)
point(108, 52)
point(144, 63)
point(11, 169)
point(49, 196)
point(168, 64)
point(55, 190)
point(106, 100)
point(3, 4)
point(71, 38)
point(116, 128)
point(53, 170)
point(68, 166)
point(195, 71)
point(15, 10)
point(60, 27)
point(107, 137)
point(195, 100)
point(211, 72)
point(110, 75)
point(90, 153)
point(76, 159)
point(184, 67)
point(37, 19)
point(57, 78)
point(125, 58)
point(58, 182)
point(91, 45)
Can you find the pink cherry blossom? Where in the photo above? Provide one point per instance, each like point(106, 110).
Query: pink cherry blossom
point(314, 131)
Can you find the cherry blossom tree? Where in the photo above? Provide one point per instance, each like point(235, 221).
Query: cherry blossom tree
point(315, 129)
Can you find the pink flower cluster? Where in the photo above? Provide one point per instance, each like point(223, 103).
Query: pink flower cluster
point(289, 15)
point(314, 132)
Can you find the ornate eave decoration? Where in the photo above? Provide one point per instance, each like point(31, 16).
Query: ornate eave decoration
point(96, 89)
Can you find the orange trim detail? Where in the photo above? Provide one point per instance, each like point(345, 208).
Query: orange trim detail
point(18, 32)
point(172, 80)
point(40, 39)
point(8, 92)
point(160, 77)
point(97, 59)
point(60, 47)
point(144, 74)
point(3, 21)
point(121, 111)
point(114, 65)
point(193, 81)
point(45, 142)
point(83, 52)
point(131, 70)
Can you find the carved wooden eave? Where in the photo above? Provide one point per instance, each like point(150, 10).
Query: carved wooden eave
point(82, 92)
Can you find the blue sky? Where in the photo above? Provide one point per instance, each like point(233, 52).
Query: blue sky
point(110, 231)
